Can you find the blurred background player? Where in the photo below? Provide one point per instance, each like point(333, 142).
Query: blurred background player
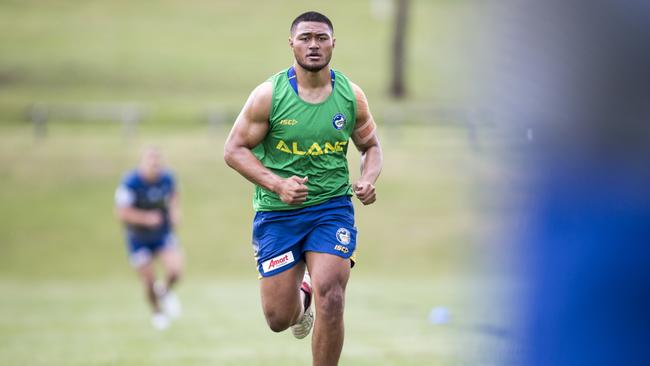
point(147, 203)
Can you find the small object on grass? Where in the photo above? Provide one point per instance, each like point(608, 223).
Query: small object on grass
point(439, 315)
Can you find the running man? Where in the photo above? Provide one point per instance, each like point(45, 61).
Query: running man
point(291, 140)
point(147, 203)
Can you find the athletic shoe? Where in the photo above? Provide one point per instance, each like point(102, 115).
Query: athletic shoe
point(170, 305)
point(302, 328)
point(159, 321)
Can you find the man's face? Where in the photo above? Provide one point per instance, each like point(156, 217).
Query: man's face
point(312, 44)
point(151, 163)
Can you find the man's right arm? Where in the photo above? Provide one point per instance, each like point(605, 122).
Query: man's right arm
point(124, 198)
point(249, 130)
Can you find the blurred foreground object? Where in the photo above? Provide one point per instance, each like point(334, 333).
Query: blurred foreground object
point(577, 74)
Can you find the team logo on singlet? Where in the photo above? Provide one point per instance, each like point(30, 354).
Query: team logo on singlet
point(338, 121)
point(343, 236)
point(154, 194)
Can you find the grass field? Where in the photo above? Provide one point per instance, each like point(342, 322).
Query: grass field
point(180, 58)
point(104, 323)
point(58, 193)
point(67, 294)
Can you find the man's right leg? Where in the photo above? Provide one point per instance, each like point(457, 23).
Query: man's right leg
point(281, 297)
point(171, 259)
point(141, 258)
point(147, 275)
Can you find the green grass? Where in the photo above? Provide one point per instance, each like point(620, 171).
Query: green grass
point(69, 294)
point(105, 323)
point(57, 193)
point(181, 58)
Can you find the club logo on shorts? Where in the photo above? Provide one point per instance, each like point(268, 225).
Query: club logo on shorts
point(338, 121)
point(343, 236)
point(278, 262)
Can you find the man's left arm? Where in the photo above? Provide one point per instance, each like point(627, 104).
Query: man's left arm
point(365, 139)
point(174, 209)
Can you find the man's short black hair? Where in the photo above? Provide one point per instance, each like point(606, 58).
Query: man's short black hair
point(311, 16)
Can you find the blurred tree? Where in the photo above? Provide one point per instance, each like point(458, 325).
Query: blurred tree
point(397, 87)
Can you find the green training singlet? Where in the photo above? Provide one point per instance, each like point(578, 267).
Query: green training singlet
point(306, 139)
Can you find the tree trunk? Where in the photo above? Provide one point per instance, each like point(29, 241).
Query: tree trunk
point(397, 87)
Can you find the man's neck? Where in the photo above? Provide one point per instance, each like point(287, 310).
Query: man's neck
point(312, 80)
point(147, 176)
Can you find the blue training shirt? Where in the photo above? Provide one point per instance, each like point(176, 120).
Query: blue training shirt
point(135, 191)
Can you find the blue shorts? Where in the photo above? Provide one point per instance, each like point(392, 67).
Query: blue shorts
point(280, 238)
point(142, 252)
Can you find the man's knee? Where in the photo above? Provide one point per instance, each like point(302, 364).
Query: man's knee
point(277, 321)
point(147, 275)
point(330, 300)
point(174, 275)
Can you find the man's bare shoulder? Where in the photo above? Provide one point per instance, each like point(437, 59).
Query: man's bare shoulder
point(260, 100)
point(263, 93)
point(264, 90)
point(362, 101)
point(355, 88)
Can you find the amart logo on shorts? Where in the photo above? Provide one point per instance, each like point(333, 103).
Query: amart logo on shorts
point(278, 262)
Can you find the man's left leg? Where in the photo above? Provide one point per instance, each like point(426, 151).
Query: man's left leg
point(172, 261)
point(329, 275)
point(171, 258)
